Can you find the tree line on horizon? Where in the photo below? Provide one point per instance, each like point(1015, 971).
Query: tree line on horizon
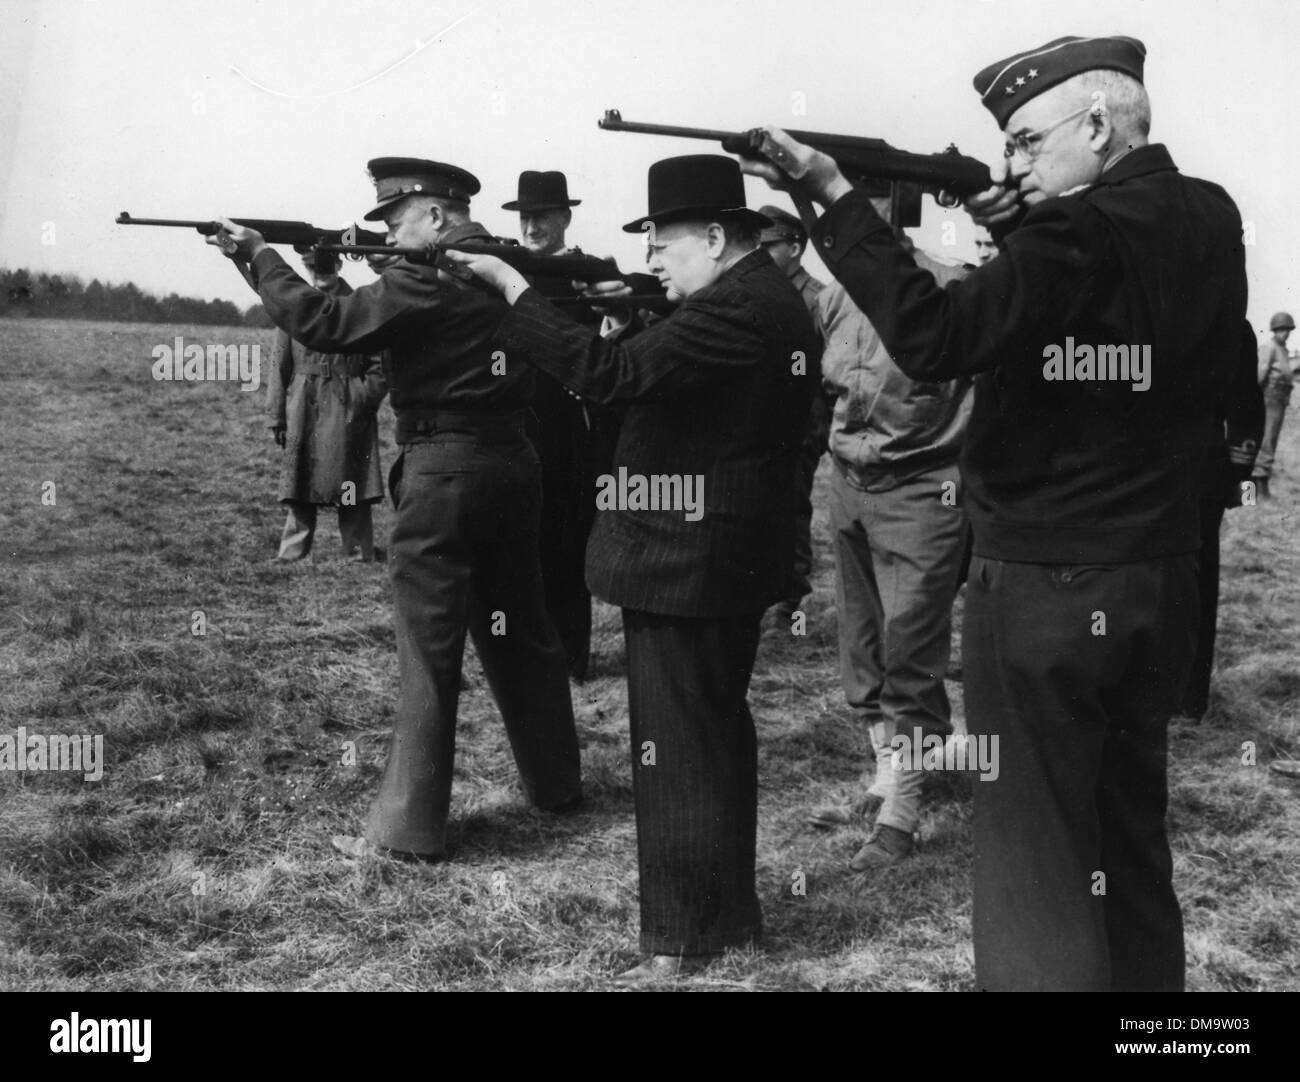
point(66, 296)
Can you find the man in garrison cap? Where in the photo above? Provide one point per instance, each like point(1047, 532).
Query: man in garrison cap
point(717, 403)
point(786, 239)
point(467, 493)
point(574, 440)
point(1100, 339)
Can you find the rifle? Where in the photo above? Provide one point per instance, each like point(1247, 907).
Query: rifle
point(569, 267)
point(356, 243)
point(303, 236)
point(948, 176)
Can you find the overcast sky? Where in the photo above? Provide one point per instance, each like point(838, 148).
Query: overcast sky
point(259, 109)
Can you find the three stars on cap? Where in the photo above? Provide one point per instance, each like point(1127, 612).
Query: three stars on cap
point(1020, 80)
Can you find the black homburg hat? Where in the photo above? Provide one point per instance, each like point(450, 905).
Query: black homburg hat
point(695, 187)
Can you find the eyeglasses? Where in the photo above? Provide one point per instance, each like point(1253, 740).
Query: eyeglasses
point(1029, 144)
point(657, 247)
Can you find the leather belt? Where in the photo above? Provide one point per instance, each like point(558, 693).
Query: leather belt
point(420, 426)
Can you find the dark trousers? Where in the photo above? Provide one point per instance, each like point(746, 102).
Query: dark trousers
point(464, 556)
point(697, 805)
point(1073, 879)
point(575, 442)
point(1197, 696)
point(805, 473)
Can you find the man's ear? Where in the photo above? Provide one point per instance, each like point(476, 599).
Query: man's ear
point(1102, 130)
point(716, 237)
point(567, 217)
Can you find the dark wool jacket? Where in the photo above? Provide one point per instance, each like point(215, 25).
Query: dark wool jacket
point(1072, 471)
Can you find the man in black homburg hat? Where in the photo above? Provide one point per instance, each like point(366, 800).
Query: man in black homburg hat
point(693, 541)
point(1100, 339)
point(574, 440)
point(467, 489)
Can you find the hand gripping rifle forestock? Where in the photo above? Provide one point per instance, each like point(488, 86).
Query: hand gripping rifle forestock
point(949, 176)
point(565, 268)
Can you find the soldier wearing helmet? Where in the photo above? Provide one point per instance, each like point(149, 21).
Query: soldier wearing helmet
point(1275, 381)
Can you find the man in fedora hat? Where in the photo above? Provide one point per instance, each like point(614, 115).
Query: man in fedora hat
point(574, 440)
point(1081, 487)
point(717, 398)
point(467, 492)
point(544, 210)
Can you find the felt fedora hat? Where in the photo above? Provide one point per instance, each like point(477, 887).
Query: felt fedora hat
point(541, 191)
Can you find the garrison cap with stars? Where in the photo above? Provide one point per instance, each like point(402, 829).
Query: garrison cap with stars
point(396, 178)
point(1005, 86)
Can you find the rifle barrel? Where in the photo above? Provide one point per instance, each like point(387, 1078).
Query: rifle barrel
point(180, 223)
point(613, 121)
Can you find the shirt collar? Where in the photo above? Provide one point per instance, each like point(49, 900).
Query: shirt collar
point(1136, 163)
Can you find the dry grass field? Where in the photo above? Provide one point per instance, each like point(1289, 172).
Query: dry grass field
point(201, 860)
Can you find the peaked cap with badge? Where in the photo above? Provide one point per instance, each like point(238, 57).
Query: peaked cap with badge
point(396, 178)
point(785, 226)
point(1006, 85)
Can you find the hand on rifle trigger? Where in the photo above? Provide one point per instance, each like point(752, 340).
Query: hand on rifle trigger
point(997, 203)
point(606, 298)
point(238, 242)
point(379, 263)
point(791, 166)
point(488, 268)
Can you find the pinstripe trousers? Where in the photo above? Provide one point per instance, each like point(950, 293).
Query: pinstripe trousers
point(695, 779)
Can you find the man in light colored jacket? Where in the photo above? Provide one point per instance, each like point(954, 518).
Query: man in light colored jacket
point(898, 531)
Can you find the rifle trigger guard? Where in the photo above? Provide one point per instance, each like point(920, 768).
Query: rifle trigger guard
point(946, 199)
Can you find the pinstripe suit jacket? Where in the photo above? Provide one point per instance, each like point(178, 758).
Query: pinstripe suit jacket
point(711, 391)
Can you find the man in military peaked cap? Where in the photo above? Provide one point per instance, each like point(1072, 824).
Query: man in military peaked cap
point(464, 545)
point(717, 400)
point(397, 178)
point(1080, 618)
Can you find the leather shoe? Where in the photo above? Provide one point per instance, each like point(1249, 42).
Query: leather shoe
point(664, 967)
point(350, 845)
point(565, 807)
point(841, 813)
point(885, 847)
